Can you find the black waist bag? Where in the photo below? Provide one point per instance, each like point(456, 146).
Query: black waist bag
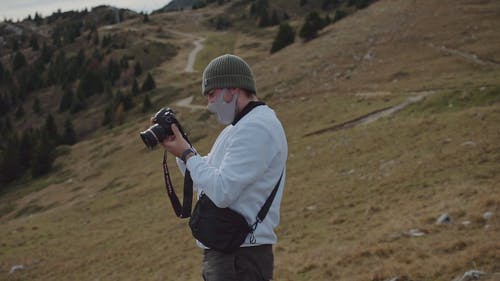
point(221, 229)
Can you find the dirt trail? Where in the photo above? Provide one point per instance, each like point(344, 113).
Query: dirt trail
point(374, 115)
point(198, 46)
point(468, 56)
point(197, 41)
point(187, 102)
point(192, 55)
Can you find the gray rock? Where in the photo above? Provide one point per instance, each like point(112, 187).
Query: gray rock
point(311, 208)
point(444, 219)
point(16, 268)
point(415, 233)
point(470, 275)
point(369, 56)
point(469, 143)
point(487, 215)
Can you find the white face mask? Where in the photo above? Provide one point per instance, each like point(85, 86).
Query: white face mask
point(226, 111)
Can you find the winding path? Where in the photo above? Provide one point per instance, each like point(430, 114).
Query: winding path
point(468, 56)
point(187, 102)
point(374, 115)
point(198, 46)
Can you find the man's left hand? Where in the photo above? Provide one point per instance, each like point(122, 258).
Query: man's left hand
point(175, 144)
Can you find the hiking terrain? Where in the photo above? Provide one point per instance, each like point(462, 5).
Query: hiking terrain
point(391, 115)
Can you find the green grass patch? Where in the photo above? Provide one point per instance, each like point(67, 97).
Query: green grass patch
point(215, 45)
point(63, 150)
point(152, 54)
point(112, 184)
point(6, 208)
point(111, 151)
point(33, 209)
point(457, 100)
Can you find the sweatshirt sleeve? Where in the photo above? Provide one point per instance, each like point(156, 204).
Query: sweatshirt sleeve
point(181, 165)
point(246, 157)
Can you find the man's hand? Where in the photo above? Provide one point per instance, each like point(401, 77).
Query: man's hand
point(175, 144)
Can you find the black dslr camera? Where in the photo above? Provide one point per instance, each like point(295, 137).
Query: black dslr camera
point(161, 128)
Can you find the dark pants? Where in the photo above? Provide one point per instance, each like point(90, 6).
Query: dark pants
point(246, 264)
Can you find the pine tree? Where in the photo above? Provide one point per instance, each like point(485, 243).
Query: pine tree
point(46, 54)
point(26, 145)
point(264, 19)
point(124, 62)
point(91, 83)
point(326, 21)
point(285, 37)
point(2, 73)
point(4, 104)
point(312, 25)
point(19, 61)
point(10, 164)
point(34, 43)
point(95, 37)
point(108, 115)
point(78, 103)
point(38, 19)
point(146, 104)
point(69, 135)
point(329, 4)
point(120, 114)
point(123, 99)
point(36, 106)
point(15, 45)
point(19, 111)
point(80, 59)
point(149, 84)
point(66, 101)
point(253, 9)
point(51, 128)
point(135, 88)
point(286, 16)
point(360, 4)
point(113, 71)
point(137, 69)
point(43, 155)
point(339, 14)
point(274, 18)
point(8, 124)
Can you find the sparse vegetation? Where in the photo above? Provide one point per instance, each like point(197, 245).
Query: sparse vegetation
point(148, 84)
point(387, 178)
point(285, 37)
point(312, 24)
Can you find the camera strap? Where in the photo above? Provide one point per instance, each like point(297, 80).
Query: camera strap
point(184, 210)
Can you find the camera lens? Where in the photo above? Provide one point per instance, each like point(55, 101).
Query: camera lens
point(152, 136)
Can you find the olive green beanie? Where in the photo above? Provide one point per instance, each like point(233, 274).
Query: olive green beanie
point(228, 71)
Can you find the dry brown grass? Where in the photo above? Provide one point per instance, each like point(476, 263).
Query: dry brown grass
point(351, 197)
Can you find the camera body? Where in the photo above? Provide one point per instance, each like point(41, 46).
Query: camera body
point(161, 128)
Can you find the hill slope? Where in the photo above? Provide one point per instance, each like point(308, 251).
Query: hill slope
point(360, 203)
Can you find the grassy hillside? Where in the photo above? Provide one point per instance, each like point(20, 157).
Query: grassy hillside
point(359, 204)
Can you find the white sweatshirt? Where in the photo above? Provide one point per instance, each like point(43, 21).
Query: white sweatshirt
point(242, 168)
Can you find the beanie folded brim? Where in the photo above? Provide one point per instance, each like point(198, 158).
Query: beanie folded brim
point(229, 81)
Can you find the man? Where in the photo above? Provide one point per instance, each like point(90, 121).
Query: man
point(242, 168)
